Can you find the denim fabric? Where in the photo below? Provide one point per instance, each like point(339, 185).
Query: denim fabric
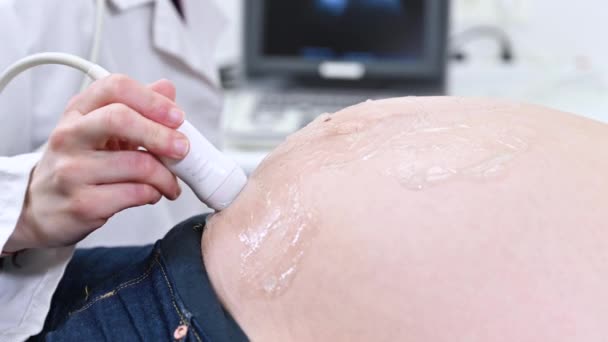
point(140, 294)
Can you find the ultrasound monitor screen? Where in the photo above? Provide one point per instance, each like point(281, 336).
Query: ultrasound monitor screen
point(352, 30)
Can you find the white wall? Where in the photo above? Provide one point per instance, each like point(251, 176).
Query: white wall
point(555, 31)
point(562, 58)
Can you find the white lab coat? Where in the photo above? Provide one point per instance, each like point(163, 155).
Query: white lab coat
point(145, 39)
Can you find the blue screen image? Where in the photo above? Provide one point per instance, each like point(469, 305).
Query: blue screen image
point(338, 7)
point(356, 30)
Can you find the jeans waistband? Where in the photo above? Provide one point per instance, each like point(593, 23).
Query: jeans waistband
point(180, 251)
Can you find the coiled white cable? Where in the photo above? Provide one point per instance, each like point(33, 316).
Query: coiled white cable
point(100, 12)
point(214, 178)
point(92, 70)
point(89, 67)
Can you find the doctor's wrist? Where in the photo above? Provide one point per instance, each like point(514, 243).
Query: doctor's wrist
point(23, 236)
point(18, 241)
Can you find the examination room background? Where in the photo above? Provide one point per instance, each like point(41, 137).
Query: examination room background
point(558, 46)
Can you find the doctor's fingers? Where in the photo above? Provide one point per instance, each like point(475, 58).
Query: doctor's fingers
point(109, 199)
point(117, 121)
point(122, 89)
point(141, 167)
point(165, 88)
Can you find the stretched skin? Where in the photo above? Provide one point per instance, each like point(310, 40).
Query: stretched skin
point(422, 219)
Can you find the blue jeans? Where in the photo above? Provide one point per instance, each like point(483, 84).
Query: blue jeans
point(152, 293)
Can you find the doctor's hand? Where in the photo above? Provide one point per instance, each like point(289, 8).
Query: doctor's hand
point(93, 167)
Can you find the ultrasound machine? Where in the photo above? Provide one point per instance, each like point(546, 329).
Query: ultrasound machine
point(304, 58)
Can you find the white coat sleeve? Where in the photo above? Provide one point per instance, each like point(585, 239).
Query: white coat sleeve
point(25, 291)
